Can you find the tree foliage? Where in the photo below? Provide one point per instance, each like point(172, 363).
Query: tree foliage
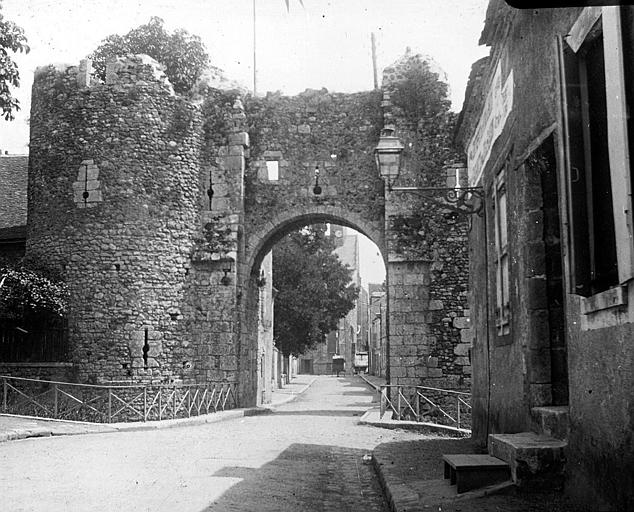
point(314, 290)
point(421, 94)
point(183, 54)
point(12, 40)
point(422, 98)
point(23, 289)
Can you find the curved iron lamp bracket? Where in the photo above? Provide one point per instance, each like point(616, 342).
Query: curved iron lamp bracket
point(462, 200)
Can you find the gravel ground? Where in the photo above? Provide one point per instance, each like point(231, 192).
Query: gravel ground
point(307, 455)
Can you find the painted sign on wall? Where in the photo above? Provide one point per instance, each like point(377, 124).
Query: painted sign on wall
point(497, 107)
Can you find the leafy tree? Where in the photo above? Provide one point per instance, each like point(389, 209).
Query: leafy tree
point(183, 54)
point(25, 290)
point(12, 39)
point(314, 290)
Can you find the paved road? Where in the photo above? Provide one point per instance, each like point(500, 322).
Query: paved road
point(308, 455)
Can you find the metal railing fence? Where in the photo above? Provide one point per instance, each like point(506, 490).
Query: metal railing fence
point(427, 404)
point(113, 403)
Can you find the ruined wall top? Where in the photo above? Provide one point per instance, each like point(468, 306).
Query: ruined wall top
point(129, 70)
point(397, 71)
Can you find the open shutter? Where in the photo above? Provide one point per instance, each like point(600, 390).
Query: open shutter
point(618, 142)
point(574, 170)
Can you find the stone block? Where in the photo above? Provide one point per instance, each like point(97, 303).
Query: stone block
point(466, 336)
point(396, 370)
point(236, 150)
point(94, 196)
point(538, 330)
point(534, 259)
point(539, 366)
point(416, 372)
point(462, 349)
point(86, 185)
point(536, 293)
point(414, 279)
point(540, 394)
point(434, 372)
point(432, 362)
point(303, 128)
point(436, 305)
point(535, 225)
point(240, 138)
point(461, 322)
point(234, 163)
point(89, 172)
point(462, 361)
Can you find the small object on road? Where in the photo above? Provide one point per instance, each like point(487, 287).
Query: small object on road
point(367, 458)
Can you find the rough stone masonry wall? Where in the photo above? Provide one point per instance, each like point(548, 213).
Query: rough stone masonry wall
point(430, 335)
point(332, 131)
point(114, 203)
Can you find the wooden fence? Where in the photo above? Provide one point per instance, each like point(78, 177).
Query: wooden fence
point(38, 339)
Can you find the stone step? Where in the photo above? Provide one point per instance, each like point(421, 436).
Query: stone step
point(472, 471)
point(552, 421)
point(536, 461)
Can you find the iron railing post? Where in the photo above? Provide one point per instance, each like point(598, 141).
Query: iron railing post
point(458, 402)
point(5, 391)
point(109, 405)
point(398, 403)
point(189, 402)
point(418, 418)
point(174, 403)
point(160, 402)
point(383, 401)
point(144, 403)
point(55, 406)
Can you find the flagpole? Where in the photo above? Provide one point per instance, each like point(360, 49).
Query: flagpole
point(254, 55)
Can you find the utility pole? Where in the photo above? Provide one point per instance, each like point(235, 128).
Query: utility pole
point(255, 71)
point(374, 71)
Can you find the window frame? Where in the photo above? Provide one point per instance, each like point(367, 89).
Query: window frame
point(502, 260)
point(593, 23)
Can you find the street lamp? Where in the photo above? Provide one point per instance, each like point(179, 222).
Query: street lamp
point(388, 155)
point(461, 200)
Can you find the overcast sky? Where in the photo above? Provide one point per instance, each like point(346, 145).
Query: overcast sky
point(323, 44)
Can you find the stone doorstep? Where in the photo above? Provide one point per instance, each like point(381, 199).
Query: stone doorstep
point(552, 421)
point(474, 471)
point(535, 460)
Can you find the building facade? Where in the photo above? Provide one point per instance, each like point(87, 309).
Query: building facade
point(546, 130)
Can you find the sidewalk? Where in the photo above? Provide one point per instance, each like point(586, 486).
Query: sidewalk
point(411, 474)
point(22, 427)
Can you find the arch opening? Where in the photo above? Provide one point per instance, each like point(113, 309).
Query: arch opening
point(266, 367)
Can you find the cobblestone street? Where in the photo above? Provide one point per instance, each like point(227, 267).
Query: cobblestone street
point(307, 455)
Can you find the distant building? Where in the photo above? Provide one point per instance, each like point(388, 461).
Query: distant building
point(351, 335)
point(377, 330)
point(13, 185)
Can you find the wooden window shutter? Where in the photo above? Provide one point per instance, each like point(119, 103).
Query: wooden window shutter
point(618, 142)
point(575, 169)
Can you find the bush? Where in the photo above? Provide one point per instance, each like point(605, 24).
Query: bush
point(23, 290)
